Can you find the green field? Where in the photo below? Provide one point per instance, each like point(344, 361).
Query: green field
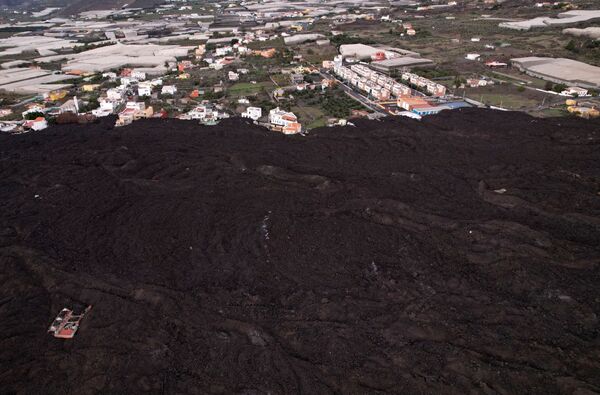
point(552, 112)
point(508, 100)
point(247, 88)
point(310, 117)
point(281, 79)
point(275, 43)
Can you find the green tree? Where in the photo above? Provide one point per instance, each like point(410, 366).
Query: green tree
point(34, 115)
point(559, 88)
point(572, 46)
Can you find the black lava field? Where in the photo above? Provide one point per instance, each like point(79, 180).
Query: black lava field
point(456, 255)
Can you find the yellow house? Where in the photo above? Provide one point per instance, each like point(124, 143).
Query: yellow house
point(183, 76)
point(57, 95)
point(584, 112)
point(90, 87)
point(148, 112)
point(571, 102)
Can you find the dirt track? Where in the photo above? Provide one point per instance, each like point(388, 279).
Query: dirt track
point(456, 255)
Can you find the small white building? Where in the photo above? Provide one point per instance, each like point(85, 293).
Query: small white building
point(222, 51)
point(106, 107)
point(156, 82)
point(280, 117)
point(203, 113)
point(574, 91)
point(39, 123)
point(110, 75)
point(233, 76)
point(284, 121)
point(135, 105)
point(144, 90)
point(253, 113)
point(126, 81)
point(169, 90)
point(115, 94)
point(472, 56)
point(138, 75)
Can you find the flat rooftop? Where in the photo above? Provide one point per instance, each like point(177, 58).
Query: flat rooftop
point(405, 61)
point(32, 81)
point(564, 18)
point(567, 70)
point(120, 55)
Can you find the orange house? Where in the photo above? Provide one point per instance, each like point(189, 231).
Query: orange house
point(266, 53)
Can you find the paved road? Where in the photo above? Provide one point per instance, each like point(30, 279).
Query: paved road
point(25, 101)
point(358, 97)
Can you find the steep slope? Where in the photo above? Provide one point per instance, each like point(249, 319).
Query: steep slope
point(456, 255)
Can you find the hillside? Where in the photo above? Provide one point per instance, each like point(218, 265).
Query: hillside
point(454, 255)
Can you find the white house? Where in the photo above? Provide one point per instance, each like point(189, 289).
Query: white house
point(144, 90)
point(574, 91)
point(110, 75)
point(138, 75)
point(203, 113)
point(253, 113)
point(222, 51)
point(156, 82)
point(107, 104)
point(284, 121)
point(99, 113)
point(280, 117)
point(126, 81)
point(106, 107)
point(39, 123)
point(169, 90)
point(134, 105)
point(233, 76)
point(114, 94)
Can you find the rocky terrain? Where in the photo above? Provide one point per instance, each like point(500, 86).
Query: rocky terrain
point(454, 255)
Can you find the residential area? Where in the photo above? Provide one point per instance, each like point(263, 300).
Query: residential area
point(293, 67)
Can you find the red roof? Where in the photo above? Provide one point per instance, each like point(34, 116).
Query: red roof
point(65, 333)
